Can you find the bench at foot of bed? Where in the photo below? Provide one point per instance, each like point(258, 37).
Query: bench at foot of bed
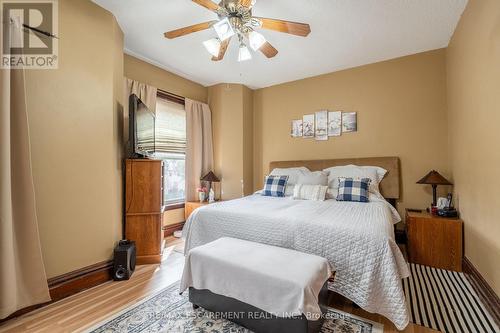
point(261, 287)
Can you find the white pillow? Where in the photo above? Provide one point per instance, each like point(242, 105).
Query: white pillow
point(309, 192)
point(292, 173)
point(313, 178)
point(376, 174)
point(289, 190)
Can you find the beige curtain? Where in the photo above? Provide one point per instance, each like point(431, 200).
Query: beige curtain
point(199, 151)
point(23, 281)
point(146, 93)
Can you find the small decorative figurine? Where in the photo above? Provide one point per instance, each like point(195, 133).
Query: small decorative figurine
point(211, 196)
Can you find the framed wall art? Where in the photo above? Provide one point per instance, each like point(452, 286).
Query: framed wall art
point(321, 126)
point(308, 126)
point(334, 123)
point(349, 122)
point(296, 131)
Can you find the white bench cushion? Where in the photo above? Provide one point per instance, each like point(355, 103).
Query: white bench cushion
point(280, 281)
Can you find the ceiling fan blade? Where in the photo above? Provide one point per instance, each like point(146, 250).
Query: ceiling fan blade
point(268, 50)
point(208, 4)
point(187, 30)
point(222, 50)
point(246, 3)
point(294, 28)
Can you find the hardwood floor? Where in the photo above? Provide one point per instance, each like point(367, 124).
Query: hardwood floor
point(85, 309)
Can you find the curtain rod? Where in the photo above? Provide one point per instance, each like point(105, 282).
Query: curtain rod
point(171, 97)
point(161, 91)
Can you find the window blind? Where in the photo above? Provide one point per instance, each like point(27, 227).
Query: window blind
point(170, 129)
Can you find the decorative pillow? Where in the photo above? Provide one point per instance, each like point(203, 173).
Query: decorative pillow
point(309, 192)
point(288, 190)
point(274, 186)
point(374, 173)
point(313, 178)
point(353, 190)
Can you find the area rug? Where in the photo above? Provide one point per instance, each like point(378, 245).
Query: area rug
point(445, 301)
point(167, 311)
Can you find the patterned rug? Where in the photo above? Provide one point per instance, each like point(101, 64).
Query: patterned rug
point(445, 301)
point(167, 311)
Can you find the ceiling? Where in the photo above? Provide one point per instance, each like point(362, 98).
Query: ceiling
point(344, 34)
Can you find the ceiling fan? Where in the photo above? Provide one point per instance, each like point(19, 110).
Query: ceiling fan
point(235, 18)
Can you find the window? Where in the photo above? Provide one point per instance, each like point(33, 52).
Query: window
point(170, 140)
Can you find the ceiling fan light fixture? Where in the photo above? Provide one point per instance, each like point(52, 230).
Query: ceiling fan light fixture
point(224, 29)
point(256, 40)
point(212, 46)
point(235, 17)
point(244, 53)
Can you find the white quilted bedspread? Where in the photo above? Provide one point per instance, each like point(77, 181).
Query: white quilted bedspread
point(356, 238)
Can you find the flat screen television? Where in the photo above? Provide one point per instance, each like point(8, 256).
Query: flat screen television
point(141, 129)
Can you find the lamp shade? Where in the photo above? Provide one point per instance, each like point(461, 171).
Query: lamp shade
point(212, 46)
point(256, 40)
point(224, 29)
point(244, 53)
point(434, 178)
point(210, 177)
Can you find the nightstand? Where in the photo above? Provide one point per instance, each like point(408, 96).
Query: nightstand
point(189, 206)
point(434, 241)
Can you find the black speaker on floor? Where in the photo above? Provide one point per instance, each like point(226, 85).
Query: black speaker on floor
point(124, 260)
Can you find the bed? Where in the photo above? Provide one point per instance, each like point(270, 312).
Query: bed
point(356, 238)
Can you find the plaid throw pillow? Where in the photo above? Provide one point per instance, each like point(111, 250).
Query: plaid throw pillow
point(353, 190)
point(274, 186)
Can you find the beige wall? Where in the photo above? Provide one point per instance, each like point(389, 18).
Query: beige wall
point(142, 71)
point(232, 124)
point(473, 68)
point(247, 102)
point(401, 107)
point(119, 141)
point(74, 117)
point(227, 124)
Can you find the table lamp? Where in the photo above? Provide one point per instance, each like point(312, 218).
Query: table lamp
point(434, 178)
point(210, 177)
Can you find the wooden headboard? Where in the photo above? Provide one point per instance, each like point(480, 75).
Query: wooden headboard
point(389, 187)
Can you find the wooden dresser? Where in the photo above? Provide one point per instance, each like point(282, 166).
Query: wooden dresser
point(144, 208)
point(434, 241)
